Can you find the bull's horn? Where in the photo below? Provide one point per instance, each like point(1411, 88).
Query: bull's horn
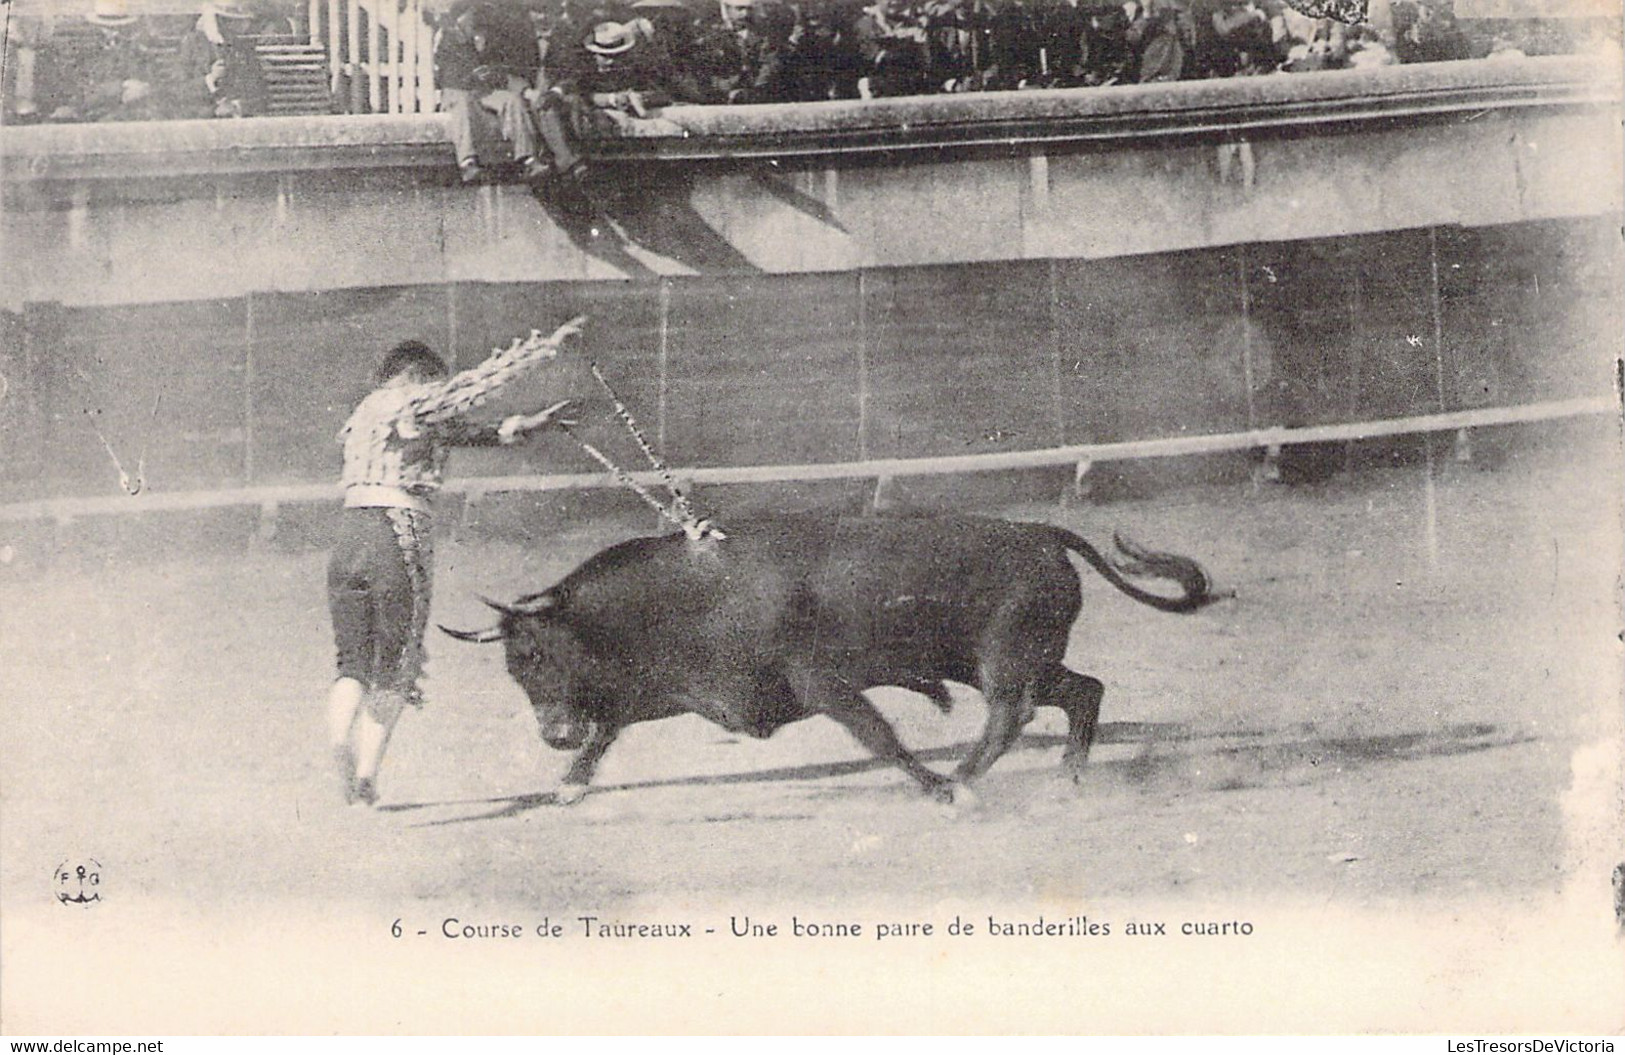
point(532, 605)
point(479, 637)
point(524, 606)
point(498, 605)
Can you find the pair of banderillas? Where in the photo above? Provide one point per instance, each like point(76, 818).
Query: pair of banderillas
point(679, 511)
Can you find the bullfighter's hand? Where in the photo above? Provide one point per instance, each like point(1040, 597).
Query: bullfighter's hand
point(519, 424)
point(569, 329)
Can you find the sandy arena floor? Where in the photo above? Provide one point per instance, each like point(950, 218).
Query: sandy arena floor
point(1385, 719)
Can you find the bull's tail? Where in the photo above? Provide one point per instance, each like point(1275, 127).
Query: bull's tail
point(1196, 587)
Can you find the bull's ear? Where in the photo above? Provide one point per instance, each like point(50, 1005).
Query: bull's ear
point(479, 637)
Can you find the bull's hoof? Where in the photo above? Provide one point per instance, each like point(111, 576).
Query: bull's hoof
point(955, 798)
point(570, 794)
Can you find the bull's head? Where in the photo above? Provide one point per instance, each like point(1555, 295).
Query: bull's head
point(547, 660)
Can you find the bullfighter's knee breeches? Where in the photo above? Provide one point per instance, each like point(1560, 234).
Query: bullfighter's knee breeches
point(378, 585)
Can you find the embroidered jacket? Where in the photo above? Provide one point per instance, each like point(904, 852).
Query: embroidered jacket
point(398, 438)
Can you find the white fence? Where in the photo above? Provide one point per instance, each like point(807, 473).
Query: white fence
point(380, 54)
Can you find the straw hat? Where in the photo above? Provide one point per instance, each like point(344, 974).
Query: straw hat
point(611, 38)
point(110, 13)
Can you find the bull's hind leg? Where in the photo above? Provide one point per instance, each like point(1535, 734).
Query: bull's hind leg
point(1079, 696)
point(821, 693)
point(1009, 707)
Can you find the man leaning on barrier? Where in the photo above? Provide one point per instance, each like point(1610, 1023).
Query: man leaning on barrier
point(486, 60)
point(618, 70)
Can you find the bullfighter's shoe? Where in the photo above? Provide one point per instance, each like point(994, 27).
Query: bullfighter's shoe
point(366, 791)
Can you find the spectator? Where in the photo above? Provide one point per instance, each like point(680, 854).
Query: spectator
point(1161, 34)
point(890, 41)
point(271, 18)
point(752, 51)
point(486, 58)
point(1110, 58)
point(1428, 32)
point(619, 70)
point(1367, 49)
point(115, 75)
point(961, 45)
point(219, 71)
point(1064, 50)
point(1232, 37)
point(1322, 48)
point(821, 62)
point(1015, 45)
point(679, 32)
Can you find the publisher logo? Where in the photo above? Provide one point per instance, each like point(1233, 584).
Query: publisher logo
point(79, 883)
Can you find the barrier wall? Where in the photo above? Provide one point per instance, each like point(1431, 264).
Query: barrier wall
point(876, 363)
point(148, 213)
point(767, 285)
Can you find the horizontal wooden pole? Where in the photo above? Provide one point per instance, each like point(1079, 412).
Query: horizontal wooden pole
point(1128, 450)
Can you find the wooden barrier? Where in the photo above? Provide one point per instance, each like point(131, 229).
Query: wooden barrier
point(272, 497)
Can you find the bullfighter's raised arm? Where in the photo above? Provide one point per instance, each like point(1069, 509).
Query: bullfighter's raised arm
point(467, 389)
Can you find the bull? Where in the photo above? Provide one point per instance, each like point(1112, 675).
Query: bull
point(794, 616)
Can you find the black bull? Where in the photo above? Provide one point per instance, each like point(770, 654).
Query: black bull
point(790, 617)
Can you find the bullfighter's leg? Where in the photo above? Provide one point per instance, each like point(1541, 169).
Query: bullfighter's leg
point(400, 600)
point(343, 701)
point(1079, 696)
point(574, 787)
point(822, 693)
point(351, 577)
point(372, 733)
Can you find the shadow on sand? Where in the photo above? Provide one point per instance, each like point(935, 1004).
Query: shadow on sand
point(1170, 753)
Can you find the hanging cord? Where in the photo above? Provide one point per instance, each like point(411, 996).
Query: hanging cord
point(137, 485)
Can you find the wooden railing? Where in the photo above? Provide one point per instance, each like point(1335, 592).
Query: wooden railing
point(380, 54)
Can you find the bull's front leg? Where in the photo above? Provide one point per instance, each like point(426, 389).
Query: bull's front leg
point(823, 693)
point(574, 787)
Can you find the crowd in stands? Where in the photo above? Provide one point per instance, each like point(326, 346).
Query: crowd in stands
point(542, 70)
point(786, 51)
point(545, 72)
point(112, 65)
